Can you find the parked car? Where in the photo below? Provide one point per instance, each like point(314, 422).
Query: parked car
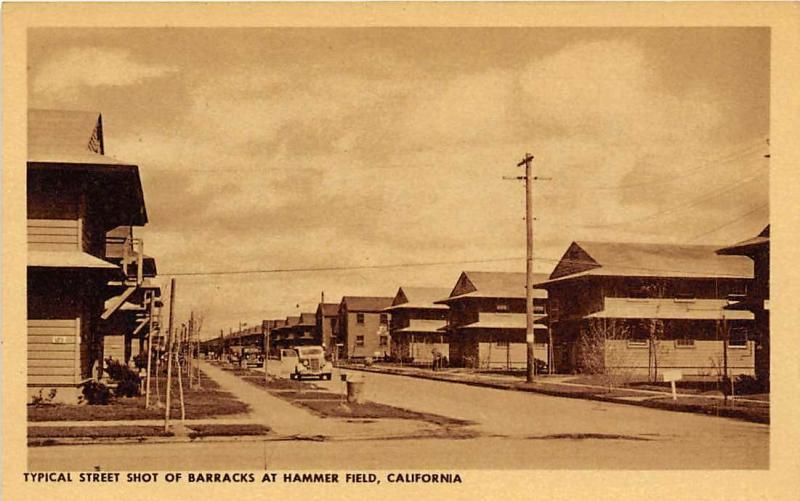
point(306, 361)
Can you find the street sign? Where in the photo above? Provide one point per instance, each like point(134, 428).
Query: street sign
point(672, 375)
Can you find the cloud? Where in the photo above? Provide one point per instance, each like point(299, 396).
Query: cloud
point(68, 73)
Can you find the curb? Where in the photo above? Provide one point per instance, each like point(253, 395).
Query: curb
point(51, 442)
point(688, 408)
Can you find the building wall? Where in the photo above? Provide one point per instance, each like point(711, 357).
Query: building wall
point(63, 312)
point(580, 297)
point(704, 360)
point(371, 330)
point(502, 355)
point(464, 343)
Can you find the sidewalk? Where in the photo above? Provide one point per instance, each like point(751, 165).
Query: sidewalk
point(288, 420)
point(750, 410)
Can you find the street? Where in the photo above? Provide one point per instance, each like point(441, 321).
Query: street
point(515, 430)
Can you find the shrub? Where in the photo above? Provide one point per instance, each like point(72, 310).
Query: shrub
point(748, 385)
point(140, 360)
point(128, 382)
point(96, 393)
point(41, 400)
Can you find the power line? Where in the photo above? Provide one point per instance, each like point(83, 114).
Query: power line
point(683, 206)
point(743, 216)
point(334, 268)
point(725, 159)
point(408, 265)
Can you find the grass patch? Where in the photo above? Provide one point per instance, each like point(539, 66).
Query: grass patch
point(128, 431)
point(278, 383)
point(208, 401)
point(228, 430)
point(587, 436)
point(372, 410)
point(758, 413)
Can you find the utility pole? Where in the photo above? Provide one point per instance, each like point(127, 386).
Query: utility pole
point(151, 300)
point(190, 348)
point(169, 350)
point(531, 362)
point(265, 331)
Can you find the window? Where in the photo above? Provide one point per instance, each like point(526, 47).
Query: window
point(684, 343)
point(333, 324)
point(502, 307)
point(359, 318)
point(384, 318)
point(384, 341)
point(501, 344)
point(538, 309)
point(738, 338)
point(359, 340)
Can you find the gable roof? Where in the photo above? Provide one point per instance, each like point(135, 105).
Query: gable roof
point(493, 284)
point(329, 309)
point(419, 297)
point(746, 246)
point(647, 260)
point(62, 140)
point(307, 319)
point(366, 303)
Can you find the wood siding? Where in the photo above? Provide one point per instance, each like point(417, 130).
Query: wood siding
point(55, 352)
point(508, 355)
point(54, 234)
point(702, 360)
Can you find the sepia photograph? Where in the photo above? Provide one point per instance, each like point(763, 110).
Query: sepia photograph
point(394, 254)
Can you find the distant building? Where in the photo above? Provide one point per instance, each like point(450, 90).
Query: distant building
point(327, 320)
point(417, 324)
point(757, 298)
point(78, 284)
point(364, 326)
point(487, 321)
point(306, 330)
point(640, 308)
point(286, 335)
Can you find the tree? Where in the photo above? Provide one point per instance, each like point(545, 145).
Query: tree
point(594, 355)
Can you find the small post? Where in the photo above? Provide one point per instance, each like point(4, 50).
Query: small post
point(674, 391)
point(150, 296)
point(180, 388)
point(169, 351)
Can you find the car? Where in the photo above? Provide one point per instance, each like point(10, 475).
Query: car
point(306, 361)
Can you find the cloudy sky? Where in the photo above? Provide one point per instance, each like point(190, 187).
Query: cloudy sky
point(264, 149)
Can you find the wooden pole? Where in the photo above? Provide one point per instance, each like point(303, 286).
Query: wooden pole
point(531, 365)
point(265, 328)
point(151, 297)
point(169, 351)
point(180, 388)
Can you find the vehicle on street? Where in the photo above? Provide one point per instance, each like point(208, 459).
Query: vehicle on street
point(306, 361)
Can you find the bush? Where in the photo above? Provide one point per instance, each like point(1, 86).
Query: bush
point(748, 385)
point(140, 360)
point(96, 393)
point(41, 400)
point(128, 382)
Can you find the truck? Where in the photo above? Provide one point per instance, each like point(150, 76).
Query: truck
point(306, 361)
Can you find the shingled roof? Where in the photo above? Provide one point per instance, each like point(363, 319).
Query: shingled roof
point(329, 309)
point(419, 297)
point(493, 284)
point(368, 304)
point(647, 260)
point(745, 247)
point(307, 319)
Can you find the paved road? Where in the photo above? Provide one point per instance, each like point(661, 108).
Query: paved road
point(518, 430)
